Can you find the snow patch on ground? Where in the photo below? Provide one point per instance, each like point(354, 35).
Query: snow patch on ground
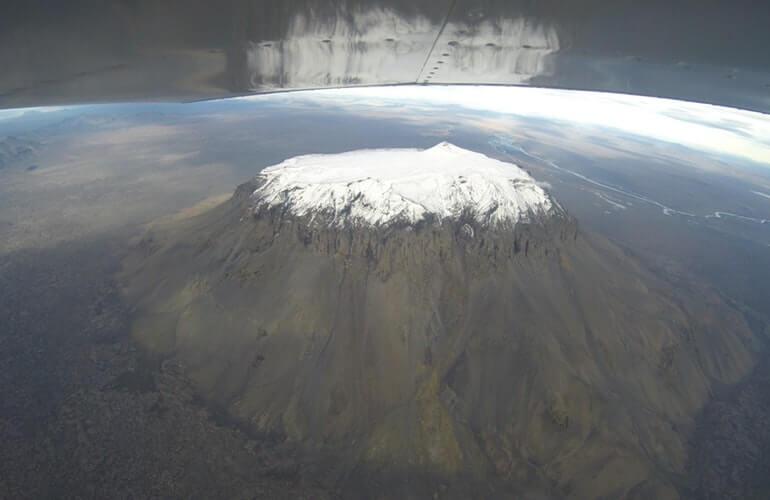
point(383, 186)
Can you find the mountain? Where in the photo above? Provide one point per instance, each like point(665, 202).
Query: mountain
point(434, 324)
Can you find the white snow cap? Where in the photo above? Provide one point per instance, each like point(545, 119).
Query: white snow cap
point(385, 186)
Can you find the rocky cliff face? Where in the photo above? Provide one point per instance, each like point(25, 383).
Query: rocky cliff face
point(447, 356)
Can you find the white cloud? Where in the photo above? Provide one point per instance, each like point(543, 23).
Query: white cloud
point(7, 114)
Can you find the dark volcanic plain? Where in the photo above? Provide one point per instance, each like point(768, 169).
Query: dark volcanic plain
point(83, 415)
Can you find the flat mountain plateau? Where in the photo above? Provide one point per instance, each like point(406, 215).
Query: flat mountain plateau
point(445, 354)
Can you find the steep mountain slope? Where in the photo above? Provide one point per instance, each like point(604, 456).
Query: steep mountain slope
point(435, 323)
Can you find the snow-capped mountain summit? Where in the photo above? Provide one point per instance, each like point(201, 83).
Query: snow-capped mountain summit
point(384, 186)
point(467, 349)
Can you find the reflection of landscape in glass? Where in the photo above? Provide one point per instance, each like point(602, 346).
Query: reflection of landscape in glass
point(380, 46)
point(683, 188)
